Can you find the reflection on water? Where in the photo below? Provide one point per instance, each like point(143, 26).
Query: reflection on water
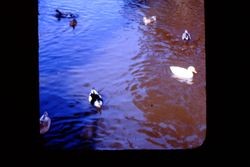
point(186, 80)
point(128, 63)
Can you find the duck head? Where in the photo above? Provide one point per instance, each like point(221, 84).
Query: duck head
point(93, 91)
point(44, 116)
point(153, 18)
point(192, 69)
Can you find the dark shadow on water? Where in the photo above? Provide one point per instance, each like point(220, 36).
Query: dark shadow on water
point(77, 132)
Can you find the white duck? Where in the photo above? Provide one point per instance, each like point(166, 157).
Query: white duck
point(149, 20)
point(45, 122)
point(183, 73)
point(95, 99)
point(186, 35)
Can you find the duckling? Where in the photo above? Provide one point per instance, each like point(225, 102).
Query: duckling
point(45, 122)
point(73, 23)
point(149, 20)
point(95, 99)
point(186, 35)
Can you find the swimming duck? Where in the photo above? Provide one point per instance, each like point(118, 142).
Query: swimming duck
point(60, 14)
point(149, 20)
point(95, 99)
point(186, 35)
point(73, 23)
point(45, 122)
point(183, 73)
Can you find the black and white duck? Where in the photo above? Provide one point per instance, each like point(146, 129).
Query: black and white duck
point(95, 99)
point(186, 35)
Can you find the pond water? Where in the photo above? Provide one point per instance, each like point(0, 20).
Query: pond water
point(128, 62)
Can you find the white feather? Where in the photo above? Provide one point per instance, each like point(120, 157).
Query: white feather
point(90, 98)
